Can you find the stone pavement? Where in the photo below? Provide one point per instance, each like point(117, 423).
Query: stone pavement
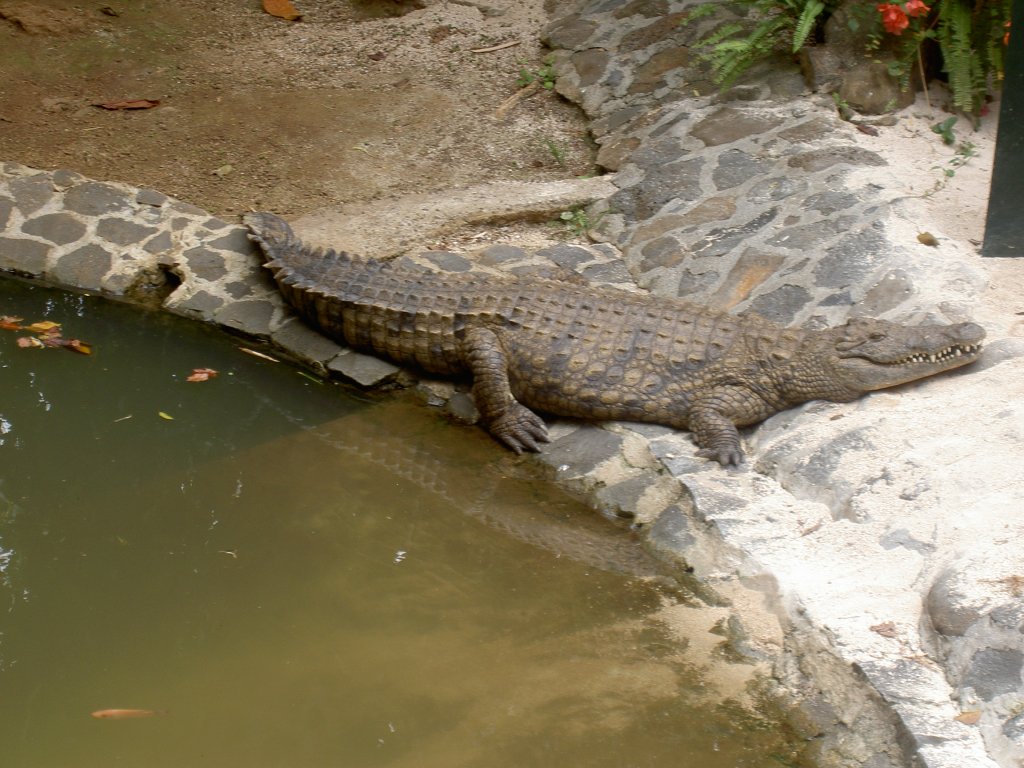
point(872, 546)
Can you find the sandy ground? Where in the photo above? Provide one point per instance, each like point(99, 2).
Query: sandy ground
point(357, 100)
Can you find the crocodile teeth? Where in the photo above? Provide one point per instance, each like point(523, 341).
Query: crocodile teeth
point(939, 357)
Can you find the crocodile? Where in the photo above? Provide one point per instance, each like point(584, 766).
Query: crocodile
point(595, 353)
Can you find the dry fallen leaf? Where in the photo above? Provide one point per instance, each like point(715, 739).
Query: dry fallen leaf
point(927, 238)
point(128, 104)
point(201, 374)
point(282, 9)
point(254, 353)
point(885, 629)
point(969, 718)
point(45, 326)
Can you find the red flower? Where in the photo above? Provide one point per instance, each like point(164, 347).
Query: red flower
point(894, 19)
point(915, 8)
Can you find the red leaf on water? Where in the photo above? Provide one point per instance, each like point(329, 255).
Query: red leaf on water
point(202, 374)
point(9, 323)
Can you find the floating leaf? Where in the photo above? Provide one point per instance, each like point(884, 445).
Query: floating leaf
point(128, 104)
point(9, 323)
point(201, 374)
point(44, 326)
point(27, 342)
point(163, 415)
point(282, 9)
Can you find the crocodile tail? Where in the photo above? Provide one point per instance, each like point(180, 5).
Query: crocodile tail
point(272, 233)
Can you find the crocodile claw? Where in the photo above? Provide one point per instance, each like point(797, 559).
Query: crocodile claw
point(727, 457)
point(520, 429)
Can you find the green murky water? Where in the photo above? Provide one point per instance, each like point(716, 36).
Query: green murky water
point(292, 577)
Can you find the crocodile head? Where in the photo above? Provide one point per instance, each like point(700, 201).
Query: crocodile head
point(873, 354)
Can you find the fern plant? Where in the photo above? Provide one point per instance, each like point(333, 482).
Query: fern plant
point(971, 36)
point(779, 24)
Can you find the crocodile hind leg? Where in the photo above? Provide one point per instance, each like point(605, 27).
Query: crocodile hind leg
point(508, 420)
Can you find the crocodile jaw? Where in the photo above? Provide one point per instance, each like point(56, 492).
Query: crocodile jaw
point(867, 372)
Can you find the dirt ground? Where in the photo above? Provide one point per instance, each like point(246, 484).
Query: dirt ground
point(359, 99)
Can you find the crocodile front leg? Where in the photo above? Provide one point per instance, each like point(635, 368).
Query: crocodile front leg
point(713, 418)
point(508, 420)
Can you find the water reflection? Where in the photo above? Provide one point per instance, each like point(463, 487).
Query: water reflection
point(298, 579)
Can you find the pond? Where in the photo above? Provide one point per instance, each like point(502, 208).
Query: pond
point(283, 574)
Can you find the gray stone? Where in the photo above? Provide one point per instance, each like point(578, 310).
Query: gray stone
point(663, 252)
point(31, 192)
point(95, 198)
point(567, 256)
point(84, 267)
point(891, 291)
point(692, 285)
point(581, 451)
point(122, 232)
point(6, 208)
point(569, 33)
point(851, 259)
point(730, 124)
point(24, 257)
point(150, 197)
point(59, 228)
point(811, 236)
point(830, 202)
point(239, 289)
point(449, 262)
point(672, 533)
point(590, 65)
point(870, 89)
point(499, 254)
point(774, 189)
point(158, 244)
point(237, 241)
point(622, 499)
point(652, 75)
point(201, 304)
point(820, 159)
point(673, 181)
point(460, 406)
point(304, 343)
point(783, 304)
point(364, 370)
point(994, 672)
point(214, 224)
point(735, 167)
point(720, 241)
point(1013, 729)
point(809, 130)
point(205, 264)
point(251, 317)
point(64, 178)
point(609, 272)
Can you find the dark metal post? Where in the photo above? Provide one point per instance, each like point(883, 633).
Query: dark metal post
point(1004, 226)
